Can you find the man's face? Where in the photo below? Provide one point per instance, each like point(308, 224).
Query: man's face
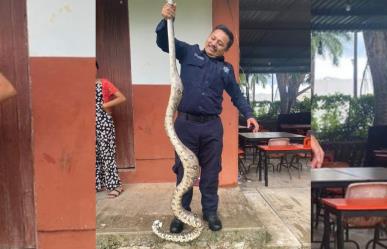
point(216, 43)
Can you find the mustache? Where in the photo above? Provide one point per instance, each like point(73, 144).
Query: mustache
point(212, 46)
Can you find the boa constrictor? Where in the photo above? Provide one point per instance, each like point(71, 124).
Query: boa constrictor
point(187, 157)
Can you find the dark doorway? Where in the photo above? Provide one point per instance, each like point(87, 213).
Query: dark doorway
point(113, 56)
point(17, 212)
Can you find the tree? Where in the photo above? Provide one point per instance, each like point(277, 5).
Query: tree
point(326, 44)
point(288, 86)
point(376, 47)
point(249, 81)
point(244, 83)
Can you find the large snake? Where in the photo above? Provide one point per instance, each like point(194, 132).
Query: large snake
point(187, 157)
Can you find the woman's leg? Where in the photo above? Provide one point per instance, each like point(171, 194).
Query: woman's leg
point(109, 152)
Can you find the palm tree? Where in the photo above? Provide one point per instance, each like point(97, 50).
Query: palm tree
point(250, 80)
point(376, 47)
point(323, 43)
point(326, 44)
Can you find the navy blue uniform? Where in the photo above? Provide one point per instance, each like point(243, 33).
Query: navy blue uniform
point(198, 125)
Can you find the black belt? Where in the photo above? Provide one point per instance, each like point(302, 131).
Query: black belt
point(198, 118)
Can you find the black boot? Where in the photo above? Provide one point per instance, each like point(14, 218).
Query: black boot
point(214, 222)
point(176, 226)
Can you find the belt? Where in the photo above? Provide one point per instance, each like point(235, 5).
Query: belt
point(198, 118)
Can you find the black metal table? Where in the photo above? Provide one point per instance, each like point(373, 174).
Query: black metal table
point(342, 177)
point(256, 137)
point(265, 151)
point(261, 138)
point(349, 208)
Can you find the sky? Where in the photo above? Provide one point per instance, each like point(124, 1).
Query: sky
point(325, 67)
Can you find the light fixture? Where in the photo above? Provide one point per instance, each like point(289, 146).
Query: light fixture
point(348, 6)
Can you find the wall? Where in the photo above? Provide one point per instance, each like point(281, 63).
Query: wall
point(227, 12)
point(61, 28)
point(62, 61)
point(149, 64)
point(150, 77)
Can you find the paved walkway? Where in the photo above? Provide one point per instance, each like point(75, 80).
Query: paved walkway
point(283, 206)
point(125, 222)
point(253, 216)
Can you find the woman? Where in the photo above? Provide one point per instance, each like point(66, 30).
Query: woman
point(107, 96)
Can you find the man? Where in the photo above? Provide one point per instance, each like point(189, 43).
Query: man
point(6, 88)
point(205, 75)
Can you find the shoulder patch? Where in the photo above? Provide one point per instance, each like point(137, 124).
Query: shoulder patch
point(226, 69)
point(198, 56)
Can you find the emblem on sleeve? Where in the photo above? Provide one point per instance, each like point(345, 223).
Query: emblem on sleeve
point(198, 56)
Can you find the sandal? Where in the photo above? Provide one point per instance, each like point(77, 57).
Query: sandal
point(101, 189)
point(115, 192)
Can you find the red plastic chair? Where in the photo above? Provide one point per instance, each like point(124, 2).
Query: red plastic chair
point(281, 156)
point(366, 190)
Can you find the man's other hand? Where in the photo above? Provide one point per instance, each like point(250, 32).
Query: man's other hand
point(318, 153)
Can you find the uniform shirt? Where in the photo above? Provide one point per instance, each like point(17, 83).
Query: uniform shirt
point(108, 90)
point(204, 78)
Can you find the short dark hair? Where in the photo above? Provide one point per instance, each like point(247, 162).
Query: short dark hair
point(228, 32)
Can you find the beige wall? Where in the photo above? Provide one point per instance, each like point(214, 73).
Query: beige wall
point(149, 63)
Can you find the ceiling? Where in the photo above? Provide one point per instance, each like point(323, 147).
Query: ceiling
point(275, 34)
point(351, 15)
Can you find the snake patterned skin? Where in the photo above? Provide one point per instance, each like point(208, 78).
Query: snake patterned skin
point(187, 157)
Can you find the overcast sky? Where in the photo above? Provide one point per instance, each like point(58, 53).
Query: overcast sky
point(325, 67)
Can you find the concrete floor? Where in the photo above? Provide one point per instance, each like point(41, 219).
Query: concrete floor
point(278, 215)
point(283, 206)
point(254, 216)
point(361, 236)
point(125, 222)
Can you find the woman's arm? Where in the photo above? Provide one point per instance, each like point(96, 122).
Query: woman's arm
point(6, 88)
point(119, 99)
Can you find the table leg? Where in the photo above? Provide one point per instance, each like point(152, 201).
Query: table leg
point(311, 215)
point(260, 165)
point(327, 230)
point(266, 174)
point(340, 237)
point(254, 152)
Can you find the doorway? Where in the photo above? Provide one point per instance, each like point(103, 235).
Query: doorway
point(17, 211)
point(113, 56)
